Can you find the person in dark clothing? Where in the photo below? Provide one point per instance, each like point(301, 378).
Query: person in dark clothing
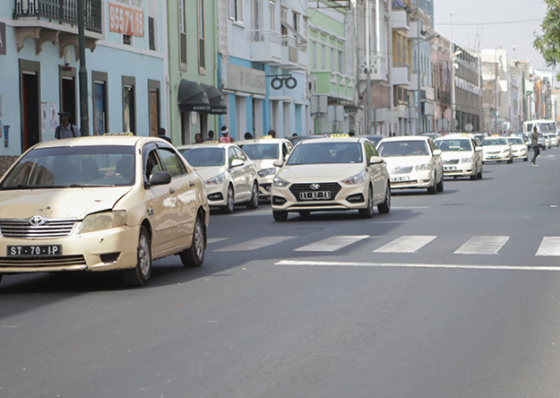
point(535, 146)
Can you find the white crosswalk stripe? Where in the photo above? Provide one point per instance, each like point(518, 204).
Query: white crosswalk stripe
point(483, 245)
point(332, 244)
point(550, 246)
point(406, 244)
point(211, 241)
point(255, 244)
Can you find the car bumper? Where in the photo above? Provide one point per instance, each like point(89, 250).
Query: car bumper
point(265, 186)
point(106, 250)
point(459, 170)
point(350, 197)
point(217, 194)
point(416, 180)
point(496, 157)
point(520, 155)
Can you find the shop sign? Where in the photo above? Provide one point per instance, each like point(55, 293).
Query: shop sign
point(244, 79)
point(127, 17)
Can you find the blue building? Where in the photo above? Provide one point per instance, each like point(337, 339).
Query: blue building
point(265, 82)
point(126, 53)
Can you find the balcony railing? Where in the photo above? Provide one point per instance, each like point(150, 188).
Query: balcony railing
point(63, 11)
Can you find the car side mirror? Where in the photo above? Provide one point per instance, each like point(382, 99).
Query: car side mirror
point(278, 163)
point(375, 160)
point(237, 163)
point(437, 152)
point(160, 178)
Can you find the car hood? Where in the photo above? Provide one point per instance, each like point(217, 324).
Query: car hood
point(210, 172)
point(406, 161)
point(494, 148)
point(456, 155)
point(59, 202)
point(320, 172)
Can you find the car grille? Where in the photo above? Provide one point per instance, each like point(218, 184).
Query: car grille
point(452, 161)
point(492, 152)
point(24, 230)
point(402, 170)
point(59, 261)
point(332, 187)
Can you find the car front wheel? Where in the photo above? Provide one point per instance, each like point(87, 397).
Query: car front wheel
point(254, 202)
point(280, 215)
point(194, 255)
point(230, 204)
point(368, 211)
point(140, 275)
point(385, 207)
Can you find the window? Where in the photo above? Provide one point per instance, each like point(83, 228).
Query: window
point(304, 31)
point(341, 67)
point(284, 15)
point(126, 39)
point(182, 36)
point(201, 47)
point(151, 33)
point(100, 103)
point(333, 64)
point(272, 10)
point(129, 104)
point(314, 54)
point(324, 56)
point(295, 21)
point(173, 165)
point(236, 10)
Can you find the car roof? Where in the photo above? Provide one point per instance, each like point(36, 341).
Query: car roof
point(206, 145)
point(261, 140)
point(454, 136)
point(337, 139)
point(122, 140)
point(407, 138)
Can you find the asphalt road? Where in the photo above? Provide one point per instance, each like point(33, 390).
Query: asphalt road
point(450, 295)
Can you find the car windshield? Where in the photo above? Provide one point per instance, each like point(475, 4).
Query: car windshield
point(205, 157)
point(515, 141)
point(403, 148)
point(77, 166)
point(261, 151)
point(461, 145)
point(494, 141)
point(326, 152)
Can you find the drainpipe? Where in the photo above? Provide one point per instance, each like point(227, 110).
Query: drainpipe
point(84, 106)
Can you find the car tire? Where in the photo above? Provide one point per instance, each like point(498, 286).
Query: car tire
point(304, 213)
point(433, 189)
point(368, 211)
point(140, 275)
point(230, 204)
point(385, 207)
point(479, 175)
point(510, 160)
point(439, 186)
point(280, 215)
point(194, 255)
point(474, 177)
point(254, 202)
point(526, 159)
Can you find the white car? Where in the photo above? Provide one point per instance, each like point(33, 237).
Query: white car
point(496, 149)
point(264, 151)
point(554, 141)
point(462, 157)
point(518, 148)
point(229, 175)
point(331, 174)
point(413, 162)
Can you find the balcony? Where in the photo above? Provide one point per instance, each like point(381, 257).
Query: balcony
point(378, 67)
point(400, 20)
point(56, 21)
point(401, 75)
point(280, 50)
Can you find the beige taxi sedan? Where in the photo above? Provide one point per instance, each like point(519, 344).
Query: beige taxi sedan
point(331, 174)
point(101, 204)
point(229, 174)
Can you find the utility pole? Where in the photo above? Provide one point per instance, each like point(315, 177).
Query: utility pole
point(496, 93)
point(84, 109)
point(367, 17)
point(452, 52)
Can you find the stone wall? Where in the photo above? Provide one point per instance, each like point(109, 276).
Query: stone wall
point(6, 162)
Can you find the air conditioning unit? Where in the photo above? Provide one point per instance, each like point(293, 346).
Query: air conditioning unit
point(312, 85)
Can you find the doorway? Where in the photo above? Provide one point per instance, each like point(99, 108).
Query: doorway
point(68, 98)
point(30, 96)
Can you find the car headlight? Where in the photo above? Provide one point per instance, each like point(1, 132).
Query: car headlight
point(267, 172)
point(101, 221)
point(280, 183)
point(357, 179)
point(423, 167)
point(467, 160)
point(216, 180)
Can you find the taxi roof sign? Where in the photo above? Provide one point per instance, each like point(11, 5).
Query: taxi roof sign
point(119, 134)
point(339, 136)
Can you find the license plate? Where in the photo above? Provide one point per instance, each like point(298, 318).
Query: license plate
point(34, 250)
point(493, 157)
point(400, 178)
point(449, 168)
point(321, 195)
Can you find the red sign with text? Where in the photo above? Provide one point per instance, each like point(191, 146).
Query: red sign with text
point(127, 21)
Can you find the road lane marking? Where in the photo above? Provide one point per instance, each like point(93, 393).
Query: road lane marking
point(409, 207)
point(406, 244)
point(550, 246)
point(255, 244)
point(211, 241)
point(404, 265)
point(332, 244)
point(487, 245)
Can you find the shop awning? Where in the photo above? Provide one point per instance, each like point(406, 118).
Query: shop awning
point(192, 97)
point(217, 101)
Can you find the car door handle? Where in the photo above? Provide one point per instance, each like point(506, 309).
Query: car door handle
point(192, 184)
point(171, 190)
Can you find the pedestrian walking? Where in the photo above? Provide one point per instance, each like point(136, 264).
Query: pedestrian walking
point(535, 146)
point(65, 129)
